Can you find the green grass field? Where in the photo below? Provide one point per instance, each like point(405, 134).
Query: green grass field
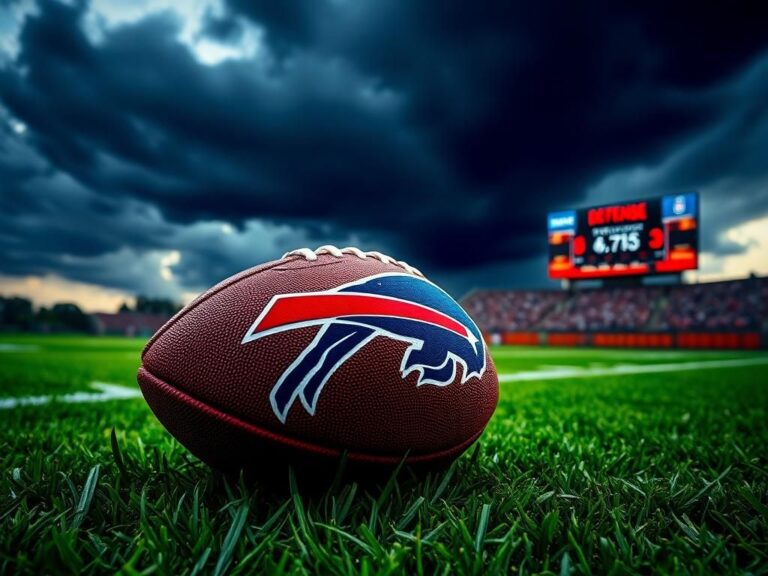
point(590, 465)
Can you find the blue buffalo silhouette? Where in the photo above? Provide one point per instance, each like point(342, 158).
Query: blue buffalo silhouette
point(434, 351)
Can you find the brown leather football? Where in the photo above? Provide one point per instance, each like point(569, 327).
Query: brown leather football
point(319, 354)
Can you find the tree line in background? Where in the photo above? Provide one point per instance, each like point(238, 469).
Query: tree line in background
point(18, 313)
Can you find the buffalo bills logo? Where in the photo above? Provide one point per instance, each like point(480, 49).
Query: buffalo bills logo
point(398, 306)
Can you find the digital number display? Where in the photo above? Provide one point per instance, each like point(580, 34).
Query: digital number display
point(656, 236)
point(620, 242)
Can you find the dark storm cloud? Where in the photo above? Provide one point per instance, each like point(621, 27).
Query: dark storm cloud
point(223, 27)
point(443, 132)
point(229, 140)
point(727, 163)
point(290, 24)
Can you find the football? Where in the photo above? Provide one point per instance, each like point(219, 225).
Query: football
point(321, 355)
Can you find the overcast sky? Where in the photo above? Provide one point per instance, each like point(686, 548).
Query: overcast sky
point(151, 148)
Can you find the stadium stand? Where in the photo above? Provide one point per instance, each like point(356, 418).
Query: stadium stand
point(628, 308)
point(506, 310)
point(738, 304)
point(728, 314)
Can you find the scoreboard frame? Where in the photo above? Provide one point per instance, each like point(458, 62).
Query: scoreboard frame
point(632, 238)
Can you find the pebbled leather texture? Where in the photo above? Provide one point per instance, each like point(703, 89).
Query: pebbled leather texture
point(227, 438)
point(366, 407)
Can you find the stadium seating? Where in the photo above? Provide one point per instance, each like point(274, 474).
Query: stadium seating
point(738, 304)
point(500, 310)
point(728, 314)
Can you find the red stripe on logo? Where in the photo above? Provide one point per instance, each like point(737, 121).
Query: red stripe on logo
point(296, 308)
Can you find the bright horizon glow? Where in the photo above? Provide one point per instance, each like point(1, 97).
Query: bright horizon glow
point(753, 237)
point(51, 289)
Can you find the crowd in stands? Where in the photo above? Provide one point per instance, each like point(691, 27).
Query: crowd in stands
point(501, 310)
point(732, 305)
point(737, 304)
point(604, 310)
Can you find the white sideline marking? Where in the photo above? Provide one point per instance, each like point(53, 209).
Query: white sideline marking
point(106, 392)
point(4, 347)
point(576, 372)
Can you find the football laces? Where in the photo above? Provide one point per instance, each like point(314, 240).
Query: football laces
point(311, 255)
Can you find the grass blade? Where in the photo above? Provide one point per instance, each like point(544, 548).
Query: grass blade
point(86, 497)
point(230, 541)
point(200, 564)
point(482, 527)
point(116, 454)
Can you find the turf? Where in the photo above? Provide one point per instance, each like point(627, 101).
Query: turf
point(615, 474)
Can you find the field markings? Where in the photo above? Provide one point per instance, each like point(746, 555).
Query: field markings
point(5, 347)
point(577, 372)
point(105, 393)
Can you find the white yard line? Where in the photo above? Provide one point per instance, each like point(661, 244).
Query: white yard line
point(4, 347)
point(105, 392)
point(577, 372)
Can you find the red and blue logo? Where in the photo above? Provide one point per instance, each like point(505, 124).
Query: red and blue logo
point(403, 307)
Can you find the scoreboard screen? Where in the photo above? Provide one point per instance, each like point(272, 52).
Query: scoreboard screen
point(657, 236)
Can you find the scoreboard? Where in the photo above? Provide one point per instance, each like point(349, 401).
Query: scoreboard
point(656, 236)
